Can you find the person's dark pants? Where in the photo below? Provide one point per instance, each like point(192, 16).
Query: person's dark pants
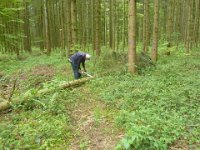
point(75, 68)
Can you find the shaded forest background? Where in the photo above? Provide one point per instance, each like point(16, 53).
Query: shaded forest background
point(157, 109)
point(92, 24)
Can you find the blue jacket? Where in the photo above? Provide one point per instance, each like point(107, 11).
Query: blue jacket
point(78, 58)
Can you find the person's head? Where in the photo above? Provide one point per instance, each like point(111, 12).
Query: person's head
point(87, 57)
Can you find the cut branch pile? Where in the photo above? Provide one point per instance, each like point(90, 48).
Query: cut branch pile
point(17, 100)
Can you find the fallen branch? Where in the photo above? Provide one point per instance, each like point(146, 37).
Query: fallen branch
point(13, 89)
point(17, 100)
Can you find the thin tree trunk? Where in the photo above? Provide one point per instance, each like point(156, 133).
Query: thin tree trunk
point(147, 25)
point(69, 30)
point(62, 38)
point(111, 25)
point(73, 22)
point(196, 22)
point(154, 53)
point(188, 28)
point(170, 22)
point(46, 24)
point(93, 25)
point(27, 39)
point(105, 26)
point(98, 34)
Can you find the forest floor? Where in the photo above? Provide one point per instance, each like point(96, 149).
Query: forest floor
point(91, 120)
point(93, 124)
point(113, 111)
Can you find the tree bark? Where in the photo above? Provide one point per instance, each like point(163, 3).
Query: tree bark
point(46, 26)
point(98, 34)
point(188, 40)
point(132, 37)
point(111, 24)
point(154, 53)
point(146, 26)
point(73, 22)
point(27, 38)
point(170, 22)
point(196, 23)
point(69, 30)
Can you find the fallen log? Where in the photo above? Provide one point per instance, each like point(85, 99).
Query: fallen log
point(17, 100)
point(73, 83)
point(4, 105)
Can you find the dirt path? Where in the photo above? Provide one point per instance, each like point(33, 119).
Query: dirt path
point(93, 125)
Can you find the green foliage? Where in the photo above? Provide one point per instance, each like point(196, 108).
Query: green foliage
point(4, 58)
point(84, 144)
point(155, 109)
point(158, 107)
point(10, 64)
point(33, 130)
point(97, 116)
point(42, 123)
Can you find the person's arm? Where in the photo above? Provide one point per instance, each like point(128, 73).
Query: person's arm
point(81, 61)
point(83, 64)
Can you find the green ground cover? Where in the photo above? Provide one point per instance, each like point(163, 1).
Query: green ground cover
point(156, 109)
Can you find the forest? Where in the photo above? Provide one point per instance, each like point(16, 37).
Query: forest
point(100, 74)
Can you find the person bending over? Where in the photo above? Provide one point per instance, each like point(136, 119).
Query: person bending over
point(76, 60)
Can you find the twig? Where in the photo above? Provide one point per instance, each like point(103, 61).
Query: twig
point(13, 89)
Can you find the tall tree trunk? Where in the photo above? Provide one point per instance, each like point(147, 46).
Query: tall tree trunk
point(62, 38)
point(112, 25)
point(154, 53)
point(105, 25)
point(132, 37)
point(188, 40)
point(146, 26)
point(16, 31)
point(83, 19)
point(93, 10)
point(88, 24)
point(124, 37)
point(69, 31)
point(40, 28)
point(27, 38)
point(178, 22)
point(46, 27)
point(196, 22)
point(98, 34)
point(73, 22)
point(170, 22)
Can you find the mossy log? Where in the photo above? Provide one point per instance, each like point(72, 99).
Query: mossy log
point(17, 100)
point(4, 105)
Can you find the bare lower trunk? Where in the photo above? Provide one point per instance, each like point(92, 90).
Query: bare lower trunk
point(132, 37)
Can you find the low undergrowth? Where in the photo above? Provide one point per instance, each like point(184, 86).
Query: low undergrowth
point(156, 109)
point(40, 123)
point(159, 107)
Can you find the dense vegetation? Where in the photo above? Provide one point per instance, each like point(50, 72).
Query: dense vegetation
point(157, 110)
point(145, 61)
point(73, 24)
